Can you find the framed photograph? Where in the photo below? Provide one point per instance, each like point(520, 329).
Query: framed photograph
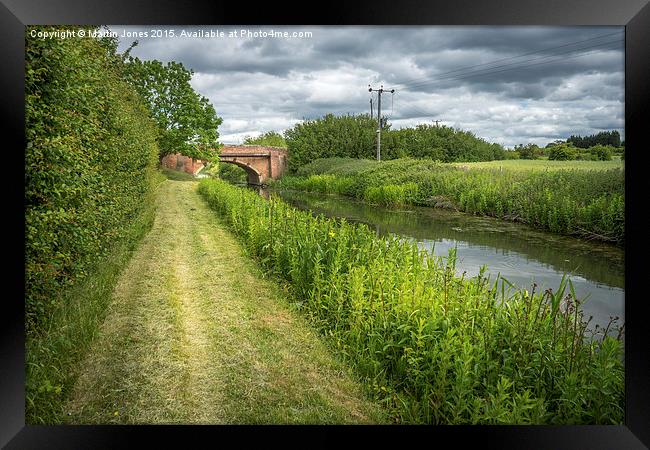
point(372, 220)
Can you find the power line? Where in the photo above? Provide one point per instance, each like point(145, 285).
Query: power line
point(421, 79)
point(415, 109)
point(516, 65)
point(470, 75)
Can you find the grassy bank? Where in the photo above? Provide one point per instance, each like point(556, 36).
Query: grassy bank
point(569, 198)
point(432, 347)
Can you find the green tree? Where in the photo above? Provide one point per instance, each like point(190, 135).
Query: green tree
point(187, 122)
point(562, 152)
point(528, 151)
point(270, 138)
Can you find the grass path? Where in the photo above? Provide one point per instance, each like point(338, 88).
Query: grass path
point(195, 334)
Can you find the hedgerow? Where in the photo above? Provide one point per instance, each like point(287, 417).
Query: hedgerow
point(90, 162)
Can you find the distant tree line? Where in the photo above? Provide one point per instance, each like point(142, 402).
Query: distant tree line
point(597, 147)
point(270, 138)
point(611, 138)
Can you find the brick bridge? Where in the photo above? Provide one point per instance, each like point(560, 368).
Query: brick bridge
point(259, 162)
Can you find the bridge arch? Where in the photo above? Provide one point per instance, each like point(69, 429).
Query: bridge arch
point(252, 175)
point(260, 162)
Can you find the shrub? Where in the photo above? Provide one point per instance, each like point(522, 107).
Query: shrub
point(562, 152)
point(529, 151)
point(601, 152)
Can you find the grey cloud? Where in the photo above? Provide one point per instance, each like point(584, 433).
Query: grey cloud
point(256, 83)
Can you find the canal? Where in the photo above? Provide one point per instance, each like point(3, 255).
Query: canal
point(518, 253)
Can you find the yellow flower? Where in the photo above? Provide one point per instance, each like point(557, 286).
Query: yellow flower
point(332, 234)
point(115, 413)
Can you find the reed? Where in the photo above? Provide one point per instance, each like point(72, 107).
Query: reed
point(431, 346)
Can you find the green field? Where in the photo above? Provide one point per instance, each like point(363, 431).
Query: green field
point(542, 164)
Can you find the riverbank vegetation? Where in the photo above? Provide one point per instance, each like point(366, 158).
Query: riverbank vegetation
point(432, 347)
point(585, 203)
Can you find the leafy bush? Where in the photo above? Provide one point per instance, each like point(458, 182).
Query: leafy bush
point(562, 152)
point(601, 152)
point(512, 155)
point(90, 162)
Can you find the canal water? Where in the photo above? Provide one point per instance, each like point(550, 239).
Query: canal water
point(518, 253)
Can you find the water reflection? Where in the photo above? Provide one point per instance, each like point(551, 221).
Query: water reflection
point(518, 253)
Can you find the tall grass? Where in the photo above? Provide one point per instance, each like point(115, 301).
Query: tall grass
point(587, 203)
point(433, 347)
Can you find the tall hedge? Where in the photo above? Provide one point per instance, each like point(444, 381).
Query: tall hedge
point(89, 163)
point(442, 143)
point(354, 136)
point(330, 136)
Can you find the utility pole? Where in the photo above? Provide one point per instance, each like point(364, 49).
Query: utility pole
point(379, 92)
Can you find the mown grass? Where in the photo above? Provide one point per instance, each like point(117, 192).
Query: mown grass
point(586, 203)
point(196, 334)
point(53, 351)
point(177, 175)
point(432, 347)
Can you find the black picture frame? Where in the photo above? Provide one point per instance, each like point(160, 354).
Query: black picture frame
point(633, 14)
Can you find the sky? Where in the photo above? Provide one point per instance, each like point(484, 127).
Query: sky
point(509, 85)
